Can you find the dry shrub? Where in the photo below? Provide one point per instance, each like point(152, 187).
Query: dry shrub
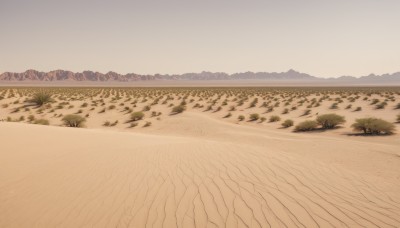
point(137, 116)
point(73, 120)
point(329, 121)
point(41, 122)
point(178, 109)
point(287, 123)
point(308, 125)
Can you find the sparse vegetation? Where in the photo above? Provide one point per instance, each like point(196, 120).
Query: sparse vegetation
point(244, 103)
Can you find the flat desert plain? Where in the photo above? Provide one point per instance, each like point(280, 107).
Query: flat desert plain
point(199, 157)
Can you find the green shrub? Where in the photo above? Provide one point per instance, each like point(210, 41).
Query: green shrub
point(329, 121)
point(287, 123)
point(137, 116)
point(373, 126)
point(307, 125)
point(178, 109)
point(73, 120)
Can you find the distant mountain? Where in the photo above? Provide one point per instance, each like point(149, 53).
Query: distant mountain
point(291, 75)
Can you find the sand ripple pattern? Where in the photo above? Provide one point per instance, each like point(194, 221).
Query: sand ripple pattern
point(192, 183)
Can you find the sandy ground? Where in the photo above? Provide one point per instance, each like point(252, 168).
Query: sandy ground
point(202, 172)
point(197, 168)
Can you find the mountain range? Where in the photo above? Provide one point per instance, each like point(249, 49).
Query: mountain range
point(291, 75)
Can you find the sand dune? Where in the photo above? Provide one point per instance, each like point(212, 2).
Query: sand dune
point(207, 174)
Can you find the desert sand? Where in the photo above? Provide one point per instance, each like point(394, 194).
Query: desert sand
point(196, 169)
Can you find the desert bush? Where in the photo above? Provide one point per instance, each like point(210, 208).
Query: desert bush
point(146, 108)
point(307, 125)
point(73, 120)
point(134, 124)
point(334, 106)
point(31, 118)
point(306, 112)
point(373, 126)
point(241, 117)
point(381, 105)
point(358, 109)
point(254, 116)
point(274, 118)
point(287, 123)
point(41, 122)
point(397, 106)
point(147, 124)
point(137, 116)
point(228, 115)
point(329, 121)
point(374, 101)
point(41, 98)
point(178, 109)
point(263, 119)
point(398, 118)
point(285, 111)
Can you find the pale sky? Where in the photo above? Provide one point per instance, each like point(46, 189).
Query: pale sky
point(326, 38)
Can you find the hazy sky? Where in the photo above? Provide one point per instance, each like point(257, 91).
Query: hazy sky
point(320, 37)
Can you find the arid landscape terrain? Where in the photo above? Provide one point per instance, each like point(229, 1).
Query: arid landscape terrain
point(200, 157)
